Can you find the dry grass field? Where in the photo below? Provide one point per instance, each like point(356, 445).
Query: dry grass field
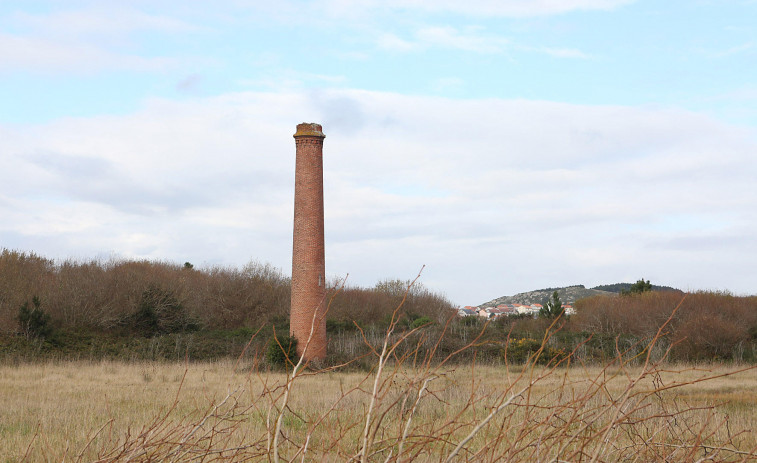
point(228, 412)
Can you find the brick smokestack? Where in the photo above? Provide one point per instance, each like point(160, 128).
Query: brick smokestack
point(308, 255)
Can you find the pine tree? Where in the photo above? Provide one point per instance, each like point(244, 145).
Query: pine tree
point(552, 308)
point(34, 323)
point(639, 287)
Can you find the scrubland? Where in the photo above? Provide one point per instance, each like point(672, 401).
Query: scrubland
point(142, 361)
point(406, 408)
point(141, 310)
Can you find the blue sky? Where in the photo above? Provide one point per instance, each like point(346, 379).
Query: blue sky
point(507, 145)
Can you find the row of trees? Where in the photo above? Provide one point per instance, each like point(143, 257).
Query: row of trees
point(141, 309)
point(105, 295)
point(703, 325)
point(154, 298)
point(697, 326)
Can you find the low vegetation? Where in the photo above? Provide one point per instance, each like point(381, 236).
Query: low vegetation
point(406, 408)
point(405, 380)
point(707, 326)
point(139, 310)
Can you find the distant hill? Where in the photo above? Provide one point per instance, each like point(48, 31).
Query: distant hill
point(568, 294)
point(617, 287)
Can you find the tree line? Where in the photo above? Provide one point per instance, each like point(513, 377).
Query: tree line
point(161, 310)
point(95, 305)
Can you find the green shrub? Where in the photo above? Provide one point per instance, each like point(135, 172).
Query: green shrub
point(34, 323)
point(282, 351)
point(420, 321)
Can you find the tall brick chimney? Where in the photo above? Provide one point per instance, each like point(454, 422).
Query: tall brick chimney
point(308, 255)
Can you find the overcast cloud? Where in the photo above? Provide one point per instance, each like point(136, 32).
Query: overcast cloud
point(507, 151)
point(478, 190)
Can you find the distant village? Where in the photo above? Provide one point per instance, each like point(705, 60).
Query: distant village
point(503, 310)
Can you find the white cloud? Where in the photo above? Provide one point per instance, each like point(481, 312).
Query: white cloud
point(111, 36)
point(83, 41)
point(564, 52)
point(104, 23)
point(392, 42)
point(41, 54)
point(288, 80)
point(506, 8)
point(444, 37)
point(494, 196)
point(449, 37)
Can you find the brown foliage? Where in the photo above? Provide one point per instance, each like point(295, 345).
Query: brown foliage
point(102, 295)
point(375, 305)
point(708, 324)
point(21, 275)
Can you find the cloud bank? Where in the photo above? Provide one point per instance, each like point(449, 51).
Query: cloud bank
point(494, 196)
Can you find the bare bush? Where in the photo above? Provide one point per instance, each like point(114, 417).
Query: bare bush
point(708, 325)
point(22, 275)
point(102, 295)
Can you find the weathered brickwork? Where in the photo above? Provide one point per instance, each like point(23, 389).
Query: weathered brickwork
point(308, 254)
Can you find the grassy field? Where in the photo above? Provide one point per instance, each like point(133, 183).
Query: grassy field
point(228, 412)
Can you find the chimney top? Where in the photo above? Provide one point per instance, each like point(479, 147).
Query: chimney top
point(309, 129)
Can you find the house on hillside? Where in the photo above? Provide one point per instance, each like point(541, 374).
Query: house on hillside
point(466, 312)
point(497, 312)
point(524, 309)
point(509, 311)
point(485, 312)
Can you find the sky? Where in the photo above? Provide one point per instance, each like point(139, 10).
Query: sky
point(501, 146)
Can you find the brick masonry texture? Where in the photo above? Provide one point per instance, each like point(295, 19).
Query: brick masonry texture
point(308, 253)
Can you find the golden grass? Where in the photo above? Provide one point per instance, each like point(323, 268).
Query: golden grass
point(52, 412)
